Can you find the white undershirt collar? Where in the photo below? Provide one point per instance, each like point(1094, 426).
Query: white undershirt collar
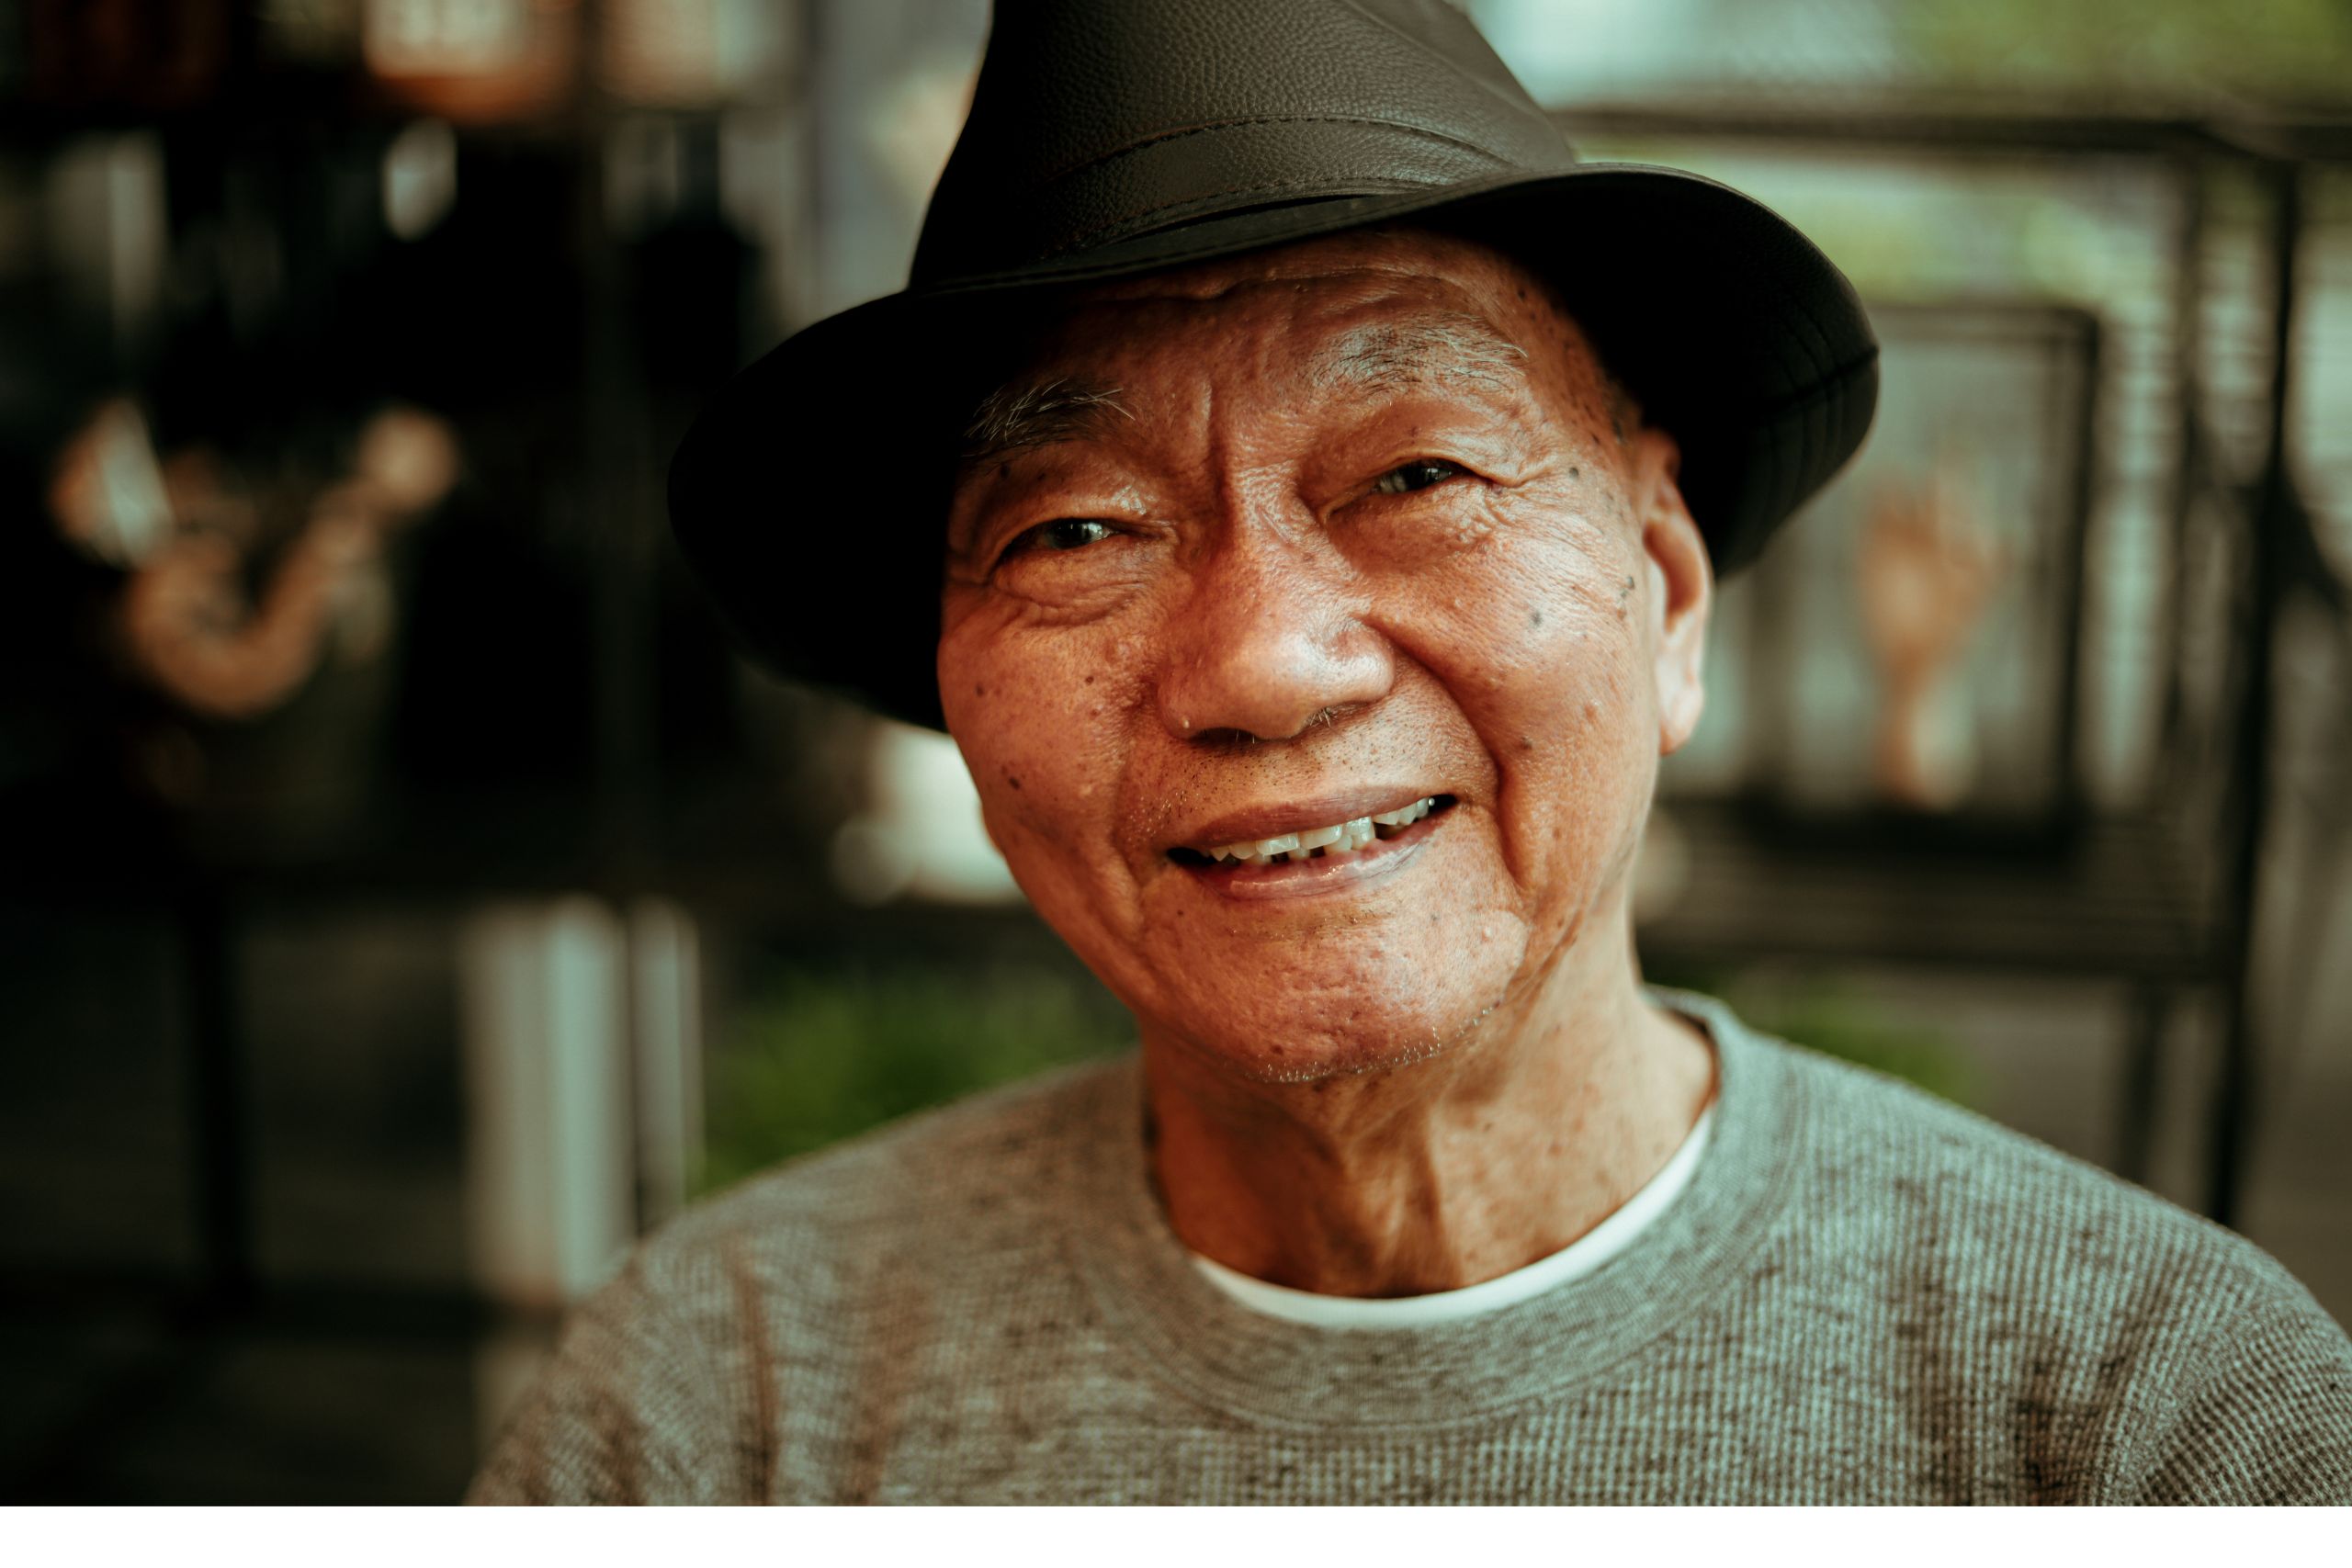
point(1579, 1257)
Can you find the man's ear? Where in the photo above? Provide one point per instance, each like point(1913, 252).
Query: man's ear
point(1681, 588)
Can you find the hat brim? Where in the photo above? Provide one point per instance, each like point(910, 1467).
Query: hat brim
point(810, 495)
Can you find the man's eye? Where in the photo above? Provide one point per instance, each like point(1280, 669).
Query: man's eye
point(1420, 474)
point(1062, 534)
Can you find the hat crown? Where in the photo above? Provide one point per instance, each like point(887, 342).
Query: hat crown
point(1098, 121)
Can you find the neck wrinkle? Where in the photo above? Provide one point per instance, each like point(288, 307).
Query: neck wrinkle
point(1431, 1176)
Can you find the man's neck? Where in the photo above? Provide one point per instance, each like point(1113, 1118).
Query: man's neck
point(1438, 1174)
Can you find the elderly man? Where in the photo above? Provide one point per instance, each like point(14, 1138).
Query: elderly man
point(1298, 487)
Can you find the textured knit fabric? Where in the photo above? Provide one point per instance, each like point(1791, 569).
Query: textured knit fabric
point(1865, 1296)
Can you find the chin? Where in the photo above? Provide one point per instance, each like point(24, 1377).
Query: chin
point(1296, 1035)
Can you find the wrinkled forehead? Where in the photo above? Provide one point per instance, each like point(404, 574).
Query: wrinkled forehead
point(1324, 301)
point(1364, 313)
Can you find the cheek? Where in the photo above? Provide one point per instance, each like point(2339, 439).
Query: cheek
point(1037, 716)
point(1534, 625)
point(1536, 635)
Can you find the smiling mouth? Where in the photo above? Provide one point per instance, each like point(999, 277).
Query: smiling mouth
point(1332, 842)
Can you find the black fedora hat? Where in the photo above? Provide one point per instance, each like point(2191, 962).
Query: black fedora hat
point(1114, 137)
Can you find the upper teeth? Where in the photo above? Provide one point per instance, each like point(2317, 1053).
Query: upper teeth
point(1338, 839)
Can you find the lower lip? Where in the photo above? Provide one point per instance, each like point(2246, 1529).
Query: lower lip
point(1326, 873)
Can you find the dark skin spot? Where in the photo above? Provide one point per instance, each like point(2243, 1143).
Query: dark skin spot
point(1013, 782)
point(979, 690)
point(1534, 618)
point(1527, 743)
point(1573, 472)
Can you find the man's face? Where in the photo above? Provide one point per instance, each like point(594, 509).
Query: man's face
point(1284, 543)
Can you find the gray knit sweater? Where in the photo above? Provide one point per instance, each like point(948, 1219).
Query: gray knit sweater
point(1864, 1295)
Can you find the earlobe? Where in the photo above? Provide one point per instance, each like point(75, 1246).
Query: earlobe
point(1681, 593)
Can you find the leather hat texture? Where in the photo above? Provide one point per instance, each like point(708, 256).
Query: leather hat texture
point(1109, 138)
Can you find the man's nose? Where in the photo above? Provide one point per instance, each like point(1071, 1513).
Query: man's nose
point(1271, 639)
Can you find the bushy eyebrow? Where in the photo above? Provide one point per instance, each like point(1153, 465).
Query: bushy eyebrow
point(1449, 348)
point(1022, 414)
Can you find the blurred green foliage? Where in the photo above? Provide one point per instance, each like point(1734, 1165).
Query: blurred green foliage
point(2261, 50)
point(818, 1056)
point(1832, 1017)
point(815, 1056)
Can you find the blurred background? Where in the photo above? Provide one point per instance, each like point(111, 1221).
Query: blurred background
point(406, 897)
